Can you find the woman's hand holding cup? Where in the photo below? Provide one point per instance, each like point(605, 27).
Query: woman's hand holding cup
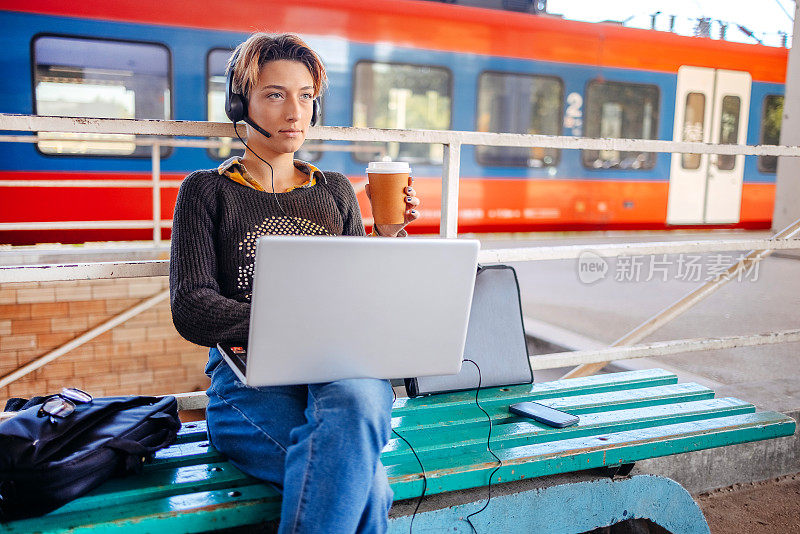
point(393, 199)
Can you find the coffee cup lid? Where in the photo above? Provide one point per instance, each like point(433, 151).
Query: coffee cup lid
point(388, 167)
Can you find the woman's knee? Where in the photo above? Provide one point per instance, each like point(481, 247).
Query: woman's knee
point(361, 401)
point(247, 445)
point(357, 394)
point(251, 426)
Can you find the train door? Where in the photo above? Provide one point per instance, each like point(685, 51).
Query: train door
point(711, 107)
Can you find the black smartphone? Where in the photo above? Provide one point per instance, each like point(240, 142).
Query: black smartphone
point(543, 414)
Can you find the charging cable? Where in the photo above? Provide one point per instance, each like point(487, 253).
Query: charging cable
point(488, 447)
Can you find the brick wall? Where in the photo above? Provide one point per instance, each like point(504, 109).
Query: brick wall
point(144, 355)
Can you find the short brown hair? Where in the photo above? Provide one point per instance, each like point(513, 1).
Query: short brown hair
point(261, 48)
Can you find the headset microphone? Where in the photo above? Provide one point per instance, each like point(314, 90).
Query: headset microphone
point(256, 127)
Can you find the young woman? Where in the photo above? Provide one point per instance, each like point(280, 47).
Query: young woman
point(320, 444)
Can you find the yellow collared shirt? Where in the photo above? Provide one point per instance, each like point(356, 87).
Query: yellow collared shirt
point(236, 171)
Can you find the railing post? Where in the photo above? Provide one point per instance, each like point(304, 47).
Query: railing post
point(451, 168)
point(787, 187)
point(156, 182)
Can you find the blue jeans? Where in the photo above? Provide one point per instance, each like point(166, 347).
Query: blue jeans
point(319, 444)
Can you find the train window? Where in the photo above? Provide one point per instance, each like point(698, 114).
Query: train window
point(388, 95)
point(770, 130)
point(216, 65)
point(621, 110)
point(693, 127)
point(519, 103)
point(728, 130)
point(80, 77)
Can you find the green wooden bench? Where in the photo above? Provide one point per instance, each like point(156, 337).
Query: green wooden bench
point(625, 417)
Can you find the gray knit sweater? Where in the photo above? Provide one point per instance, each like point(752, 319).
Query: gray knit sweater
point(216, 224)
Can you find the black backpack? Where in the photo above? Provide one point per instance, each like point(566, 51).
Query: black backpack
point(44, 464)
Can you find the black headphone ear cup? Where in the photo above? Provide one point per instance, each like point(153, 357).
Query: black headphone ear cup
point(235, 107)
point(315, 114)
point(235, 103)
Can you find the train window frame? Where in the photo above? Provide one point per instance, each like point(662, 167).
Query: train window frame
point(451, 86)
point(762, 167)
point(166, 151)
point(689, 161)
point(560, 120)
point(652, 160)
point(727, 162)
point(209, 150)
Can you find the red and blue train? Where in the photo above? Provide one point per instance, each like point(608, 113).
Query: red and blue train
point(399, 64)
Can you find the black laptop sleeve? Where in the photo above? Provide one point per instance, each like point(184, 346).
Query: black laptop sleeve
point(495, 338)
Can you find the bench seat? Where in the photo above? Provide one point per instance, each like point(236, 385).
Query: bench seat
point(624, 418)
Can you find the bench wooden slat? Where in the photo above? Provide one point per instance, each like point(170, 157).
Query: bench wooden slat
point(194, 512)
point(467, 412)
point(464, 471)
point(160, 483)
point(573, 386)
point(517, 431)
point(191, 452)
point(194, 431)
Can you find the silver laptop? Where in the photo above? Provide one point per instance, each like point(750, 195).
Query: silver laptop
point(329, 308)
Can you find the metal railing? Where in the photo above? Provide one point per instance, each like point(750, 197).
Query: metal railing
point(156, 184)
point(587, 361)
point(450, 140)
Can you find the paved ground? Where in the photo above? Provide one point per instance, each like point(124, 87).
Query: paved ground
point(770, 507)
point(766, 299)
